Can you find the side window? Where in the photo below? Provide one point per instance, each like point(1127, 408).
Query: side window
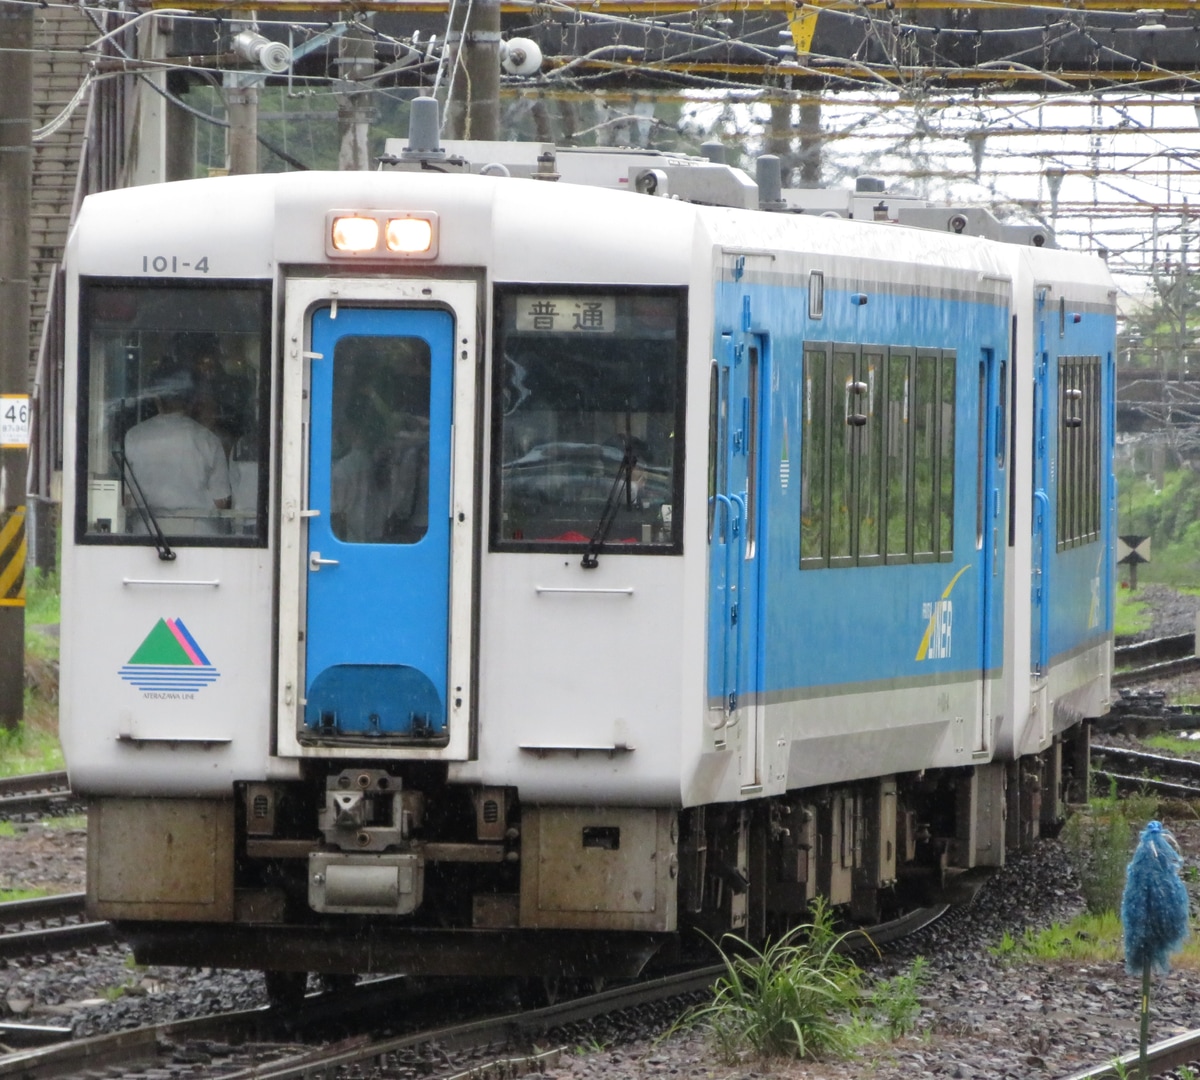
point(1078, 472)
point(814, 454)
point(870, 455)
point(899, 431)
point(945, 513)
point(841, 445)
point(925, 453)
point(878, 455)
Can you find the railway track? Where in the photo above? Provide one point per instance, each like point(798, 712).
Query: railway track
point(1162, 1057)
point(49, 925)
point(260, 1043)
point(35, 793)
point(1137, 769)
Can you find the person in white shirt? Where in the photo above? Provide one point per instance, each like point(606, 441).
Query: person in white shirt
point(179, 464)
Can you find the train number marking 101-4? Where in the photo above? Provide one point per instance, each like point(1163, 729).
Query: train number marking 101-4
point(171, 264)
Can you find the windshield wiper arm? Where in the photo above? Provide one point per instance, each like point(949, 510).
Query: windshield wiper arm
point(624, 476)
point(139, 500)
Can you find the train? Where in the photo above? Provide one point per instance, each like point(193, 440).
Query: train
point(513, 560)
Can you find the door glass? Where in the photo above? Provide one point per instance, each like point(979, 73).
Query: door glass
point(379, 472)
point(173, 413)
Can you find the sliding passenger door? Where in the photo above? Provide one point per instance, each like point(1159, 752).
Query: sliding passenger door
point(990, 518)
point(735, 634)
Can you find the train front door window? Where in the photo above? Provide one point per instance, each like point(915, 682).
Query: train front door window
point(588, 429)
point(172, 437)
point(378, 557)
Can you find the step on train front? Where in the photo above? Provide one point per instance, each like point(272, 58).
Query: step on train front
point(510, 570)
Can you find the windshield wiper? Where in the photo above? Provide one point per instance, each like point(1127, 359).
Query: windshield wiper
point(624, 476)
point(139, 500)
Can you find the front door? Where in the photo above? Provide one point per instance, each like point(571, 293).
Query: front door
point(378, 563)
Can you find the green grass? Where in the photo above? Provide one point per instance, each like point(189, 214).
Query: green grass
point(1173, 744)
point(7, 895)
point(1130, 614)
point(29, 749)
point(41, 611)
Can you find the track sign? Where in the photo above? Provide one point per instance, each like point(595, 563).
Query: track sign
point(14, 421)
point(1133, 549)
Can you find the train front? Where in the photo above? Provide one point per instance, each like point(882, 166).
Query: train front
point(373, 592)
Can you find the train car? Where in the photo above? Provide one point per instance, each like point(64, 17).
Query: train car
point(506, 565)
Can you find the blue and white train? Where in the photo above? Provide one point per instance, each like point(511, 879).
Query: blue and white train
point(591, 555)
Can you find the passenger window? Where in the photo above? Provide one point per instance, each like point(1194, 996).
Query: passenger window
point(945, 543)
point(870, 454)
point(925, 453)
point(379, 473)
point(173, 418)
point(1079, 480)
point(844, 401)
point(898, 449)
point(588, 420)
point(813, 456)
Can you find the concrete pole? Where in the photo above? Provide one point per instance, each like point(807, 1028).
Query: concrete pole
point(241, 105)
point(473, 109)
point(16, 169)
point(356, 60)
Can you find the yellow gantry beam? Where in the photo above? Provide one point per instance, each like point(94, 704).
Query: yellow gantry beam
point(652, 9)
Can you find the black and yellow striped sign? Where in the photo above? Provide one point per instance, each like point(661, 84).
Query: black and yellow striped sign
point(12, 559)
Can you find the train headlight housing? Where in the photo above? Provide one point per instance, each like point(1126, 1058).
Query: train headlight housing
point(381, 234)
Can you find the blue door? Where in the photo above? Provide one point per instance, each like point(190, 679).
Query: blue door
point(991, 518)
point(376, 626)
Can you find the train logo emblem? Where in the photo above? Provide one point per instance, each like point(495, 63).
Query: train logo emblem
point(939, 624)
point(169, 663)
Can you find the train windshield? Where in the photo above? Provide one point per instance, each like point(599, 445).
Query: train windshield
point(588, 426)
point(172, 413)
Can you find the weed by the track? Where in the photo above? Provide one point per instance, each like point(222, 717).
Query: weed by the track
point(1100, 839)
point(8, 895)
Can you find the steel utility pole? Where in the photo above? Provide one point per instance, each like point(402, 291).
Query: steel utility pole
point(16, 167)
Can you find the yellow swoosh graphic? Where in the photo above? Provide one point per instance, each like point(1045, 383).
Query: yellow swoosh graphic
point(924, 648)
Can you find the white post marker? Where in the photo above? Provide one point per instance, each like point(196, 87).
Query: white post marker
point(14, 421)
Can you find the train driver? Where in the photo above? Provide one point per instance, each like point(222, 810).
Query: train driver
point(179, 464)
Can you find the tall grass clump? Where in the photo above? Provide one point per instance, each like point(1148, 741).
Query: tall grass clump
point(1100, 839)
point(794, 998)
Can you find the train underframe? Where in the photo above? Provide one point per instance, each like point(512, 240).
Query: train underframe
point(371, 870)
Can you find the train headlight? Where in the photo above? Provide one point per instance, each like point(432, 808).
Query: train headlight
point(381, 234)
point(409, 235)
point(354, 235)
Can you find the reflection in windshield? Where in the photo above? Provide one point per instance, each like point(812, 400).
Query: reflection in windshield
point(579, 379)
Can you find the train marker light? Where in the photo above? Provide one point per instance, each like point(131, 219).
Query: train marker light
point(355, 234)
point(409, 235)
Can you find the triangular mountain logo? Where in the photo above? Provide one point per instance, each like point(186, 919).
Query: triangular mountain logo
point(169, 660)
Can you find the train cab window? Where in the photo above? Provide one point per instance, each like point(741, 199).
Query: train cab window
point(173, 400)
point(379, 473)
point(588, 400)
